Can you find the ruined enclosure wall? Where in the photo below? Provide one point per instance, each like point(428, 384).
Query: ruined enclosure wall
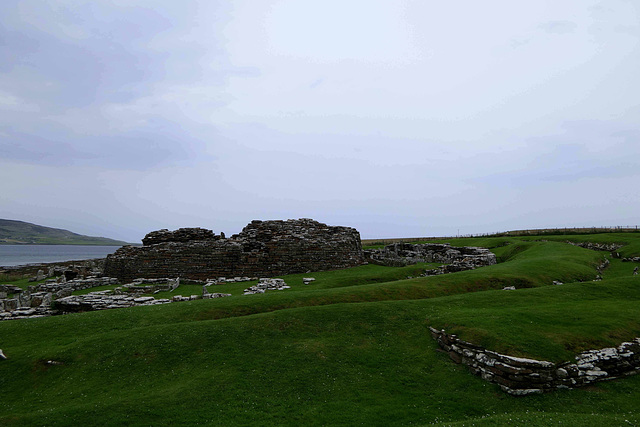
point(263, 248)
point(401, 254)
point(520, 377)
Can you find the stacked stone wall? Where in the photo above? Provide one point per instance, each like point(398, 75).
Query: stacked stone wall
point(262, 249)
point(74, 285)
point(400, 254)
point(520, 377)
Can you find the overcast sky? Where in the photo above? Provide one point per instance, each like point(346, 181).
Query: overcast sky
point(398, 118)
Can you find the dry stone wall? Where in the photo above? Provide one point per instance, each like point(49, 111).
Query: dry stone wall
point(262, 249)
point(74, 285)
point(520, 377)
point(401, 254)
point(23, 304)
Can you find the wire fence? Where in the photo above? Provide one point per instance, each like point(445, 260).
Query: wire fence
point(530, 232)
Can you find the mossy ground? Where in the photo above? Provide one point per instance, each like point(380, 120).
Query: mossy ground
point(351, 349)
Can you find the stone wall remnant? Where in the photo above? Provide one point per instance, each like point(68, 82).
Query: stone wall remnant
point(458, 258)
point(74, 285)
point(180, 235)
point(26, 304)
point(261, 249)
point(520, 377)
point(102, 300)
point(267, 284)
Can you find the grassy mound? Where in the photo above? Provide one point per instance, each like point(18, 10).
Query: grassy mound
point(351, 349)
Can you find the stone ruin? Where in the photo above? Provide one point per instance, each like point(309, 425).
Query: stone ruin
point(180, 235)
point(267, 284)
point(455, 258)
point(261, 249)
point(521, 377)
point(16, 303)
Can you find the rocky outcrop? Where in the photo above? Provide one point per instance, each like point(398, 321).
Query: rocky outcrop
point(520, 377)
point(460, 258)
point(262, 249)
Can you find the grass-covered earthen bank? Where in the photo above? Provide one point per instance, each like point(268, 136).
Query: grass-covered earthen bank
point(353, 348)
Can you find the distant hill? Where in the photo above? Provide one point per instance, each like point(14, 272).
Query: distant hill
point(20, 232)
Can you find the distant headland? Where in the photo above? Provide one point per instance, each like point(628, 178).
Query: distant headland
point(23, 233)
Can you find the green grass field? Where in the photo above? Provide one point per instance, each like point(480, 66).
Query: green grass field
point(351, 349)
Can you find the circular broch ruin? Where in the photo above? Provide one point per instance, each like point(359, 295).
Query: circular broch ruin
point(261, 249)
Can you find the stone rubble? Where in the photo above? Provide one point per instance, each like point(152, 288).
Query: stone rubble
point(181, 235)
point(609, 247)
point(266, 284)
point(308, 280)
point(152, 286)
point(24, 304)
point(52, 297)
point(457, 258)
point(215, 295)
point(521, 377)
point(223, 280)
point(103, 300)
point(74, 284)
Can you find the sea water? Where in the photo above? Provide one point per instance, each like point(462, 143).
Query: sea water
point(11, 255)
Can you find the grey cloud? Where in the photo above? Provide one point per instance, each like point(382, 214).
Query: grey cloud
point(163, 144)
point(558, 27)
point(168, 114)
point(584, 150)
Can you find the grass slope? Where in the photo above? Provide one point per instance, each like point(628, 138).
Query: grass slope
point(19, 232)
point(351, 349)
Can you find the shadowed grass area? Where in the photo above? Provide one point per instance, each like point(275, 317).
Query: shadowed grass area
point(351, 349)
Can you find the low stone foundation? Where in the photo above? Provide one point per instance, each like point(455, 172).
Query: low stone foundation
point(74, 285)
point(520, 377)
point(461, 258)
point(25, 304)
point(103, 300)
point(267, 284)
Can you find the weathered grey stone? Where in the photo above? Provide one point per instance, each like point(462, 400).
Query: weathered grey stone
point(263, 248)
point(180, 235)
point(266, 284)
point(215, 295)
point(520, 377)
point(458, 258)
